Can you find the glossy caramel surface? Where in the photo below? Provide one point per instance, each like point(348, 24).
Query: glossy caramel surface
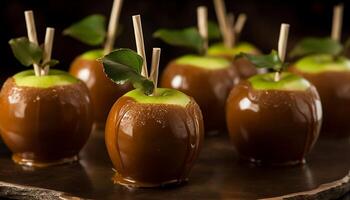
point(273, 126)
point(45, 126)
point(209, 88)
point(102, 90)
point(334, 90)
point(153, 144)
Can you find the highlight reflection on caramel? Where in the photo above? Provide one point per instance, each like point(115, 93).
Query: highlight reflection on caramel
point(102, 90)
point(334, 90)
point(152, 145)
point(209, 88)
point(44, 126)
point(272, 126)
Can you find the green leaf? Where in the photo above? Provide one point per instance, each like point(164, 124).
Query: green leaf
point(270, 61)
point(213, 31)
point(50, 63)
point(124, 65)
point(90, 30)
point(316, 46)
point(26, 52)
point(188, 38)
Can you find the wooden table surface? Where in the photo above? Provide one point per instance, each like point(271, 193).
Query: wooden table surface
point(217, 175)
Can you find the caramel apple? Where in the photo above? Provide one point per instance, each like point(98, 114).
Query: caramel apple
point(274, 118)
point(45, 115)
point(154, 140)
point(231, 47)
point(243, 66)
point(44, 120)
point(207, 79)
point(331, 77)
point(153, 135)
point(91, 30)
point(324, 64)
point(103, 91)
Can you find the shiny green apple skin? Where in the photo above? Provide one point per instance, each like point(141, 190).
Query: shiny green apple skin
point(243, 47)
point(92, 54)
point(322, 63)
point(209, 63)
point(54, 78)
point(161, 96)
point(288, 81)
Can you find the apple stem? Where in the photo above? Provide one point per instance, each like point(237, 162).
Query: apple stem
point(231, 24)
point(277, 76)
point(50, 32)
point(220, 11)
point(112, 26)
point(240, 22)
point(155, 68)
point(31, 31)
point(230, 29)
point(140, 43)
point(282, 46)
point(337, 22)
point(202, 21)
point(282, 41)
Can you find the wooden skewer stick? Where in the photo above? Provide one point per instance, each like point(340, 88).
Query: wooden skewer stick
point(231, 36)
point(31, 31)
point(242, 18)
point(112, 26)
point(282, 46)
point(202, 21)
point(140, 45)
point(155, 68)
point(50, 33)
point(337, 22)
point(222, 18)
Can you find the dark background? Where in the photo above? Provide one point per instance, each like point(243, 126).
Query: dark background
point(307, 18)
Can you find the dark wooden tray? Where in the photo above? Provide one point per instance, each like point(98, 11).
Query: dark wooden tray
point(217, 175)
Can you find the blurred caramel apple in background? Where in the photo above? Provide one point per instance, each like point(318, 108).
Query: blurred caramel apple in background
point(324, 64)
point(208, 80)
point(331, 77)
point(231, 47)
point(91, 30)
point(243, 66)
point(104, 93)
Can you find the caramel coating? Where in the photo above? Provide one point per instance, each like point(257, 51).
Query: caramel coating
point(334, 90)
point(45, 126)
point(102, 90)
point(152, 145)
point(273, 126)
point(209, 88)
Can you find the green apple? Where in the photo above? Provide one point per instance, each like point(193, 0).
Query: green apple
point(220, 49)
point(92, 55)
point(163, 96)
point(321, 63)
point(288, 81)
point(54, 78)
point(210, 63)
